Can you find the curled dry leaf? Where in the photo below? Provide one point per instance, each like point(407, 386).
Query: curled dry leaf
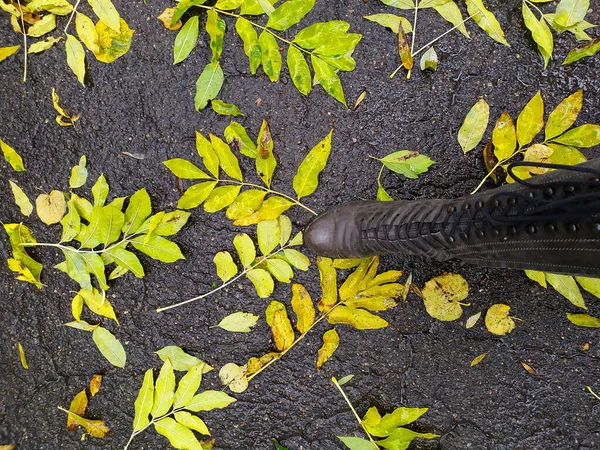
point(78, 406)
point(331, 341)
point(95, 384)
point(497, 320)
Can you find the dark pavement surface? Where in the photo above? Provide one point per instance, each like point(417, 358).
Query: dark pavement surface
point(142, 103)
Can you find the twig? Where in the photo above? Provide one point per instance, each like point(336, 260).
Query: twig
point(24, 41)
point(71, 16)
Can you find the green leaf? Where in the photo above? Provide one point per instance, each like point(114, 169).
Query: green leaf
point(299, 70)
point(164, 390)
point(476, 122)
point(251, 46)
point(208, 155)
point(451, 12)
point(245, 204)
point(226, 268)
point(29, 270)
point(83, 206)
point(107, 13)
point(567, 287)
point(181, 360)
point(265, 160)
point(314, 35)
point(328, 79)
point(262, 281)
point(592, 285)
point(158, 248)
point(486, 20)
point(192, 422)
point(109, 346)
point(356, 443)
point(582, 51)
point(184, 169)
point(75, 267)
point(584, 320)
point(271, 58)
point(186, 39)
point(178, 435)
point(21, 199)
point(504, 137)
point(245, 248)
point(570, 12)
point(196, 194)
point(138, 210)
point(537, 276)
point(113, 44)
point(235, 132)
point(289, 13)
point(267, 233)
point(221, 197)
point(187, 387)
point(215, 27)
point(278, 446)
point(254, 7)
point(306, 179)
point(391, 21)
point(225, 109)
point(540, 32)
point(100, 191)
point(144, 402)
point(280, 269)
point(75, 57)
point(12, 157)
point(127, 260)
point(104, 228)
point(208, 85)
point(78, 174)
point(239, 322)
point(531, 120)
point(384, 426)
point(408, 163)
point(401, 4)
point(209, 400)
point(357, 318)
point(401, 438)
point(585, 136)
point(71, 222)
point(227, 160)
point(564, 115)
point(182, 7)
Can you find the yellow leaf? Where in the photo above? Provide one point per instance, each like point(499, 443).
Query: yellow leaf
point(270, 209)
point(245, 204)
point(328, 278)
point(95, 428)
point(283, 333)
point(486, 20)
point(22, 356)
point(234, 377)
point(107, 13)
point(478, 359)
point(567, 287)
point(166, 16)
point(86, 30)
point(442, 296)
point(62, 114)
point(192, 422)
point(584, 320)
point(350, 287)
point(255, 364)
point(95, 383)
point(245, 248)
point(538, 153)
point(358, 318)
point(21, 199)
point(50, 208)
point(221, 197)
point(43, 26)
point(77, 307)
point(303, 307)
point(78, 406)
point(5, 52)
point(265, 160)
point(226, 268)
point(528, 368)
point(262, 281)
point(331, 341)
point(267, 233)
point(98, 303)
point(497, 320)
point(58, 7)
point(564, 115)
point(271, 309)
point(75, 57)
point(531, 120)
point(113, 44)
point(504, 137)
point(227, 160)
point(474, 126)
point(12, 157)
point(41, 46)
point(471, 321)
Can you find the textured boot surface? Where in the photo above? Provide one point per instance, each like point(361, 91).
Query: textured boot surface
point(550, 222)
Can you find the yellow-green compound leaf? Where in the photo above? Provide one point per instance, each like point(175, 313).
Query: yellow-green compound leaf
point(245, 204)
point(164, 390)
point(303, 308)
point(486, 20)
point(280, 269)
point(12, 157)
point(283, 333)
point(187, 387)
point(41, 46)
point(235, 132)
point(158, 248)
point(475, 124)
point(328, 281)
point(289, 13)
point(471, 321)
point(196, 194)
point(262, 281)
point(540, 31)
point(478, 359)
point(225, 109)
point(268, 232)
point(239, 322)
point(192, 422)
point(504, 137)
point(251, 46)
point(182, 168)
point(71, 223)
point(582, 51)
point(571, 12)
point(564, 115)
point(384, 426)
point(5, 52)
point(299, 70)
point(209, 400)
point(51, 207)
point(497, 320)
point(391, 21)
point(357, 318)
point(451, 12)
point(592, 285)
point(144, 402)
point(215, 27)
point(109, 346)
point(331, 341)
point(221, 197)
point(245, 248)
point(326, 76)
point(79, 174)
point(181, 360)
point(585, 136)
point(43, 26)
point(531, 120)
point(21, 199)
point(179, 436)
point(186, 39)
point(208, 86)
point(226, 268)
point(137, 212)
point(271, 58)
point(113, 44)
point(107, 13)
point(584, 320)
point(442, 296)
point(265, 160)
point(75, 57)
point(227, 160)
point(567, 287)
point(306, 179)
point(86, 30)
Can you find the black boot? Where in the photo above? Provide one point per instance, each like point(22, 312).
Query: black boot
point(549, 223)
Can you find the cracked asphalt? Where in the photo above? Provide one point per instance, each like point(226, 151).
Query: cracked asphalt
point(144, 104)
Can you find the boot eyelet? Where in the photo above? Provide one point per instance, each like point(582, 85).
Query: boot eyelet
point(479, 204)
point(450, 239)
point(595, 227)
point(548, 191)
point(531, 229)
point(463, 235)
point(451, 209)
point(569, 189)
point(572, 227)
point(479, 234)
point(550, 227)
point(466, 207)
point(511, 201)
point(531, 195)
point(495, 203)
point(495, 233)
point(512, 231)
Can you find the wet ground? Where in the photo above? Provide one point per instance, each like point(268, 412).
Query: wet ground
point(144, 104)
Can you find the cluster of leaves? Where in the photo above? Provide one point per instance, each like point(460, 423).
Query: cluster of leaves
point(362, 293)
point(390, 426)
point(408, 163)
point(76, 412)
point(103, 232)
point(568, 16)
point(158, 401)
point(108, 39)
point(328, 44)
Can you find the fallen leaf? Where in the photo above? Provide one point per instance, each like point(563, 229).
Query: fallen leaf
point(113, 43)
point(283, 333)
point(303, 308)
point(76, 57)
point(474, 126)
point(360, 99)
point(78, 406)
point(331, 341)
point(442, 296)
point(166, 16)
point(429, 60)
point(109, 346)
point(5, 52)
point(471, 321)
point(584, 320)
point(234, 377)
point(181, 360)
point(21, 199)
point(12, 157)
point(497, 320)
point(478, 359)
point(528, 368)
point(95, 383)
point(50, 208)
point(22, 356)
point(582, 51)
point(95, 428)
point(240, 322)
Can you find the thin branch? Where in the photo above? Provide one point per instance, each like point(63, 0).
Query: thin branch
point(71, 16)
point(414, 28)
point(24, 41)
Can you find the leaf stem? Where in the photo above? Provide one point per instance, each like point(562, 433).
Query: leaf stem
point(414, 28)
point(335, 382)
point(24, 42)
point(593, 393)
point(152, 422)
point(498, 164)
point(538, 9)
point(71, 16)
